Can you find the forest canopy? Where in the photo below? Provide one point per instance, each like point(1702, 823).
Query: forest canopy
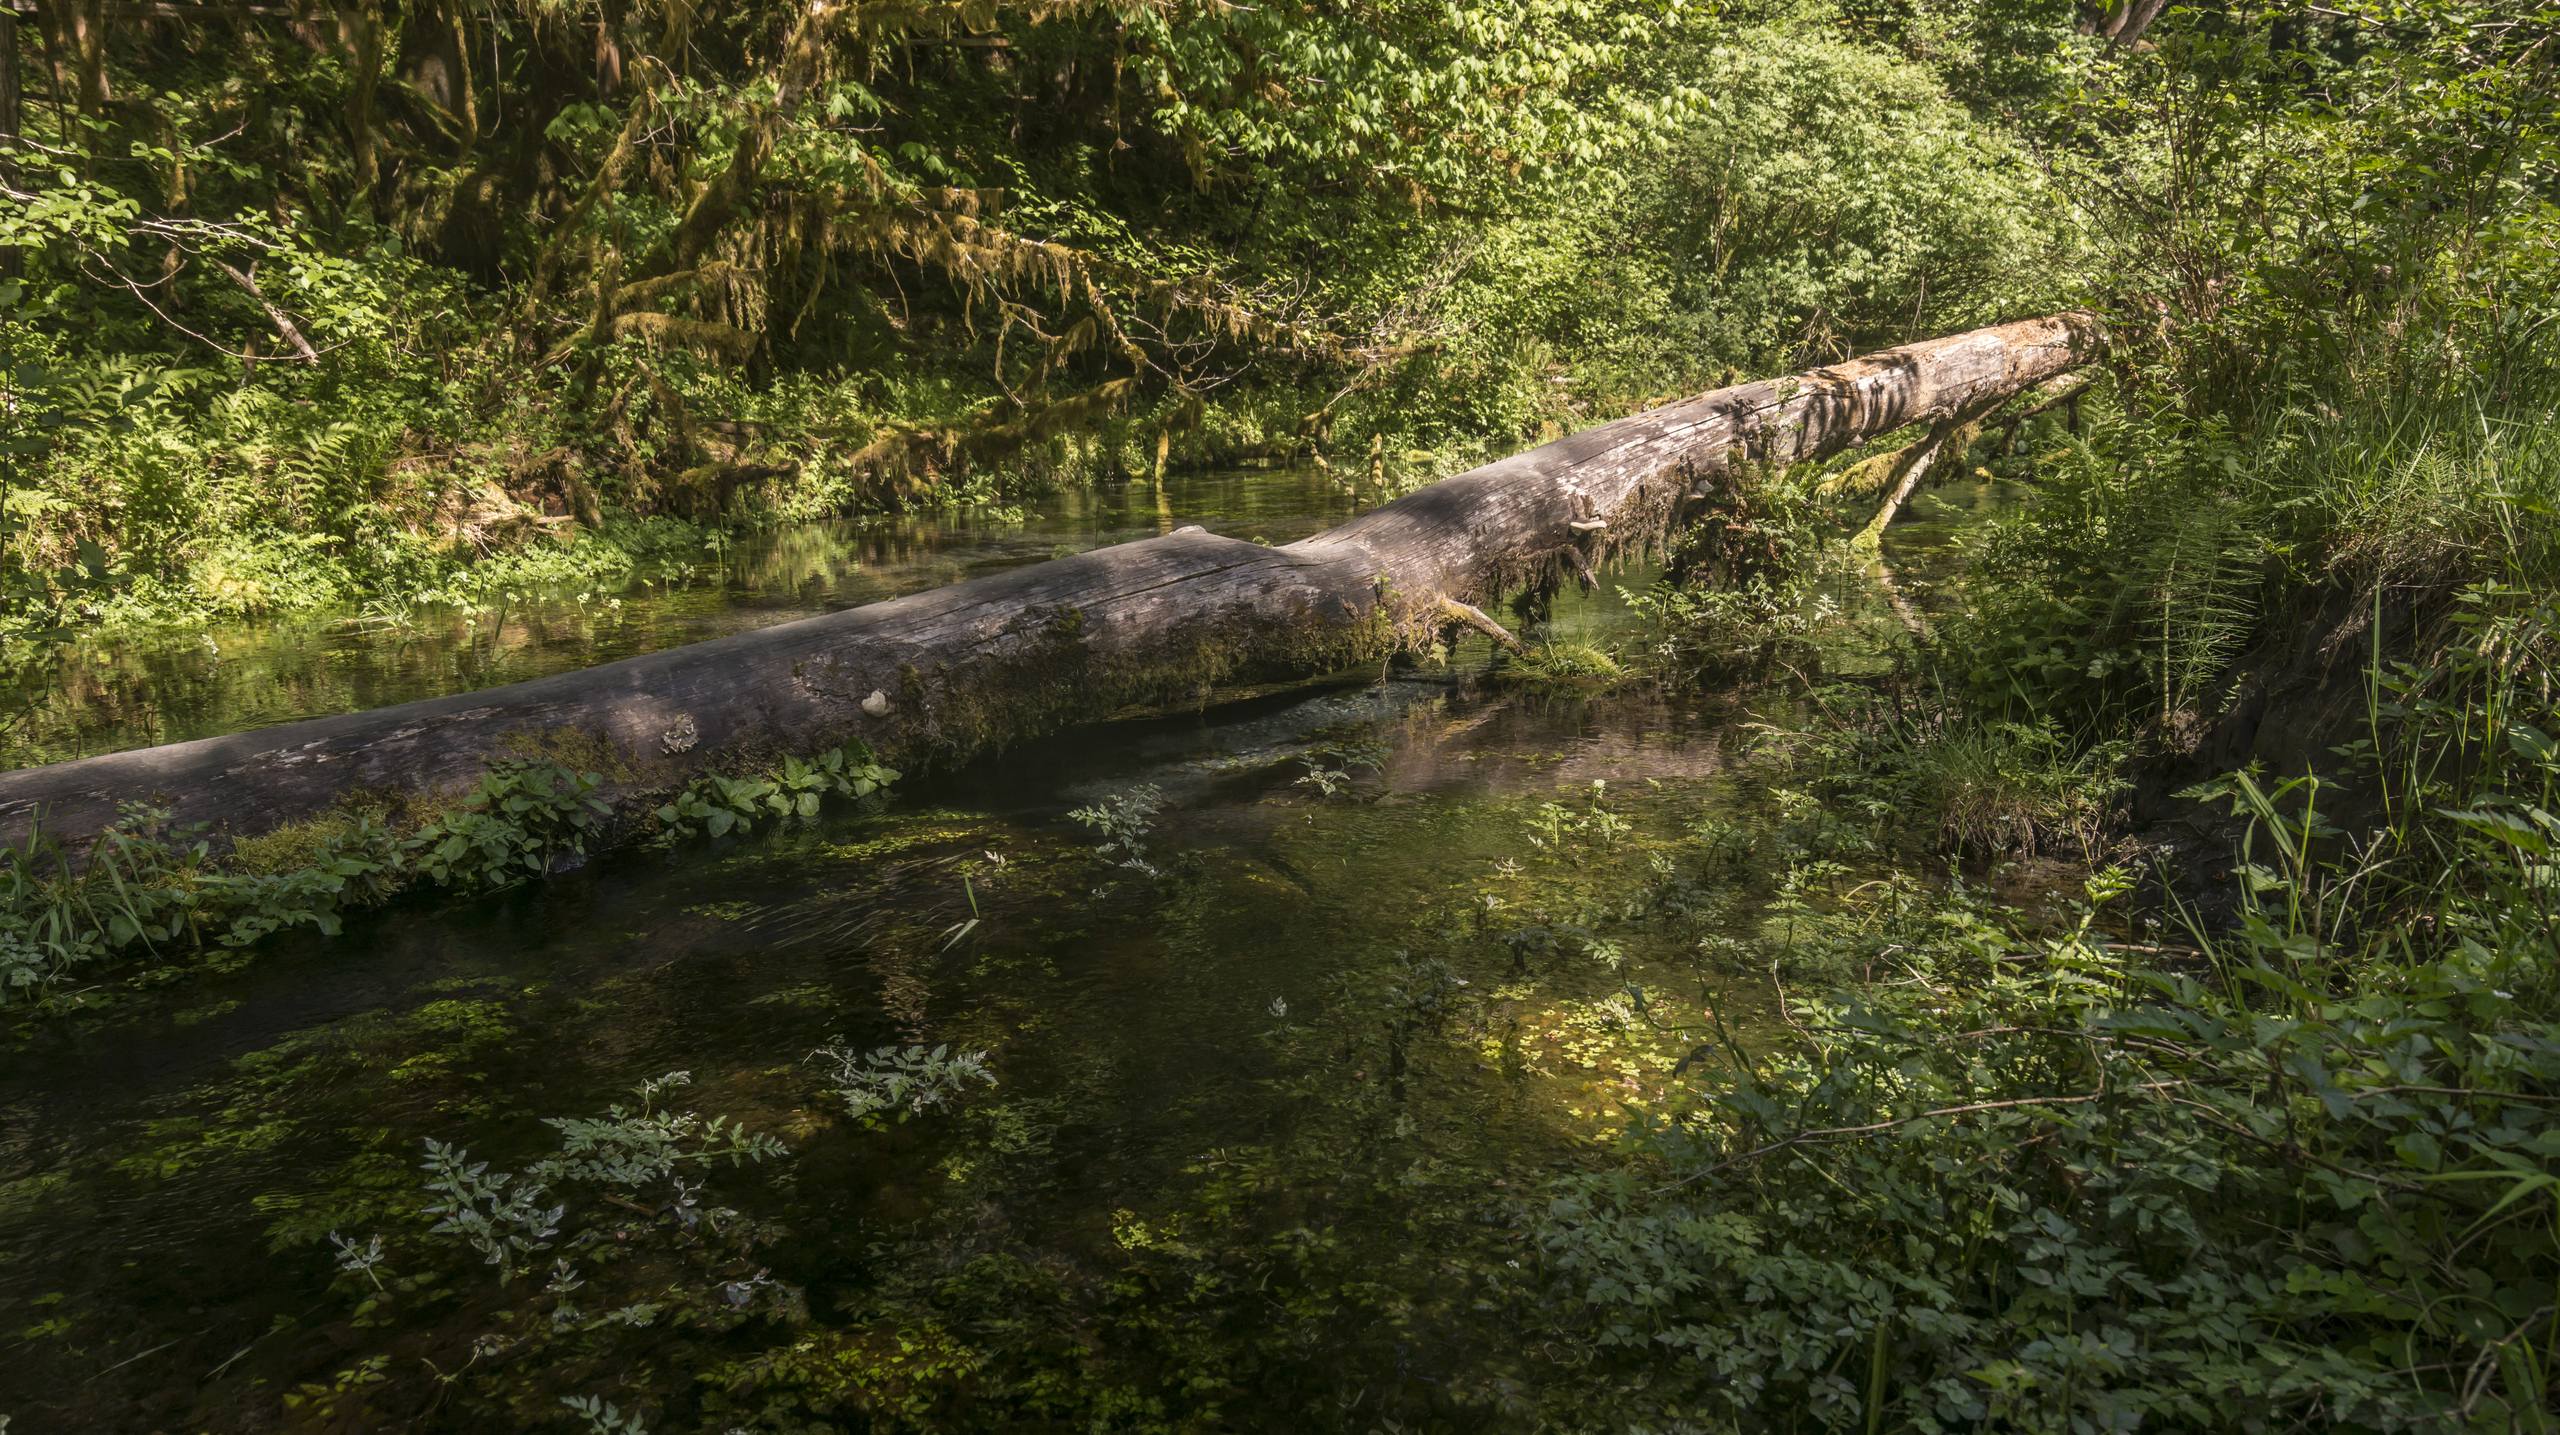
point(309, 305)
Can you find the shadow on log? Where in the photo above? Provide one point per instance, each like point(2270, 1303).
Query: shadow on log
point(941, 674)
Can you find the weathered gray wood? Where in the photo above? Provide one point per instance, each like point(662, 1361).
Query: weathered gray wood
point(952, 670)
point(1468, 615)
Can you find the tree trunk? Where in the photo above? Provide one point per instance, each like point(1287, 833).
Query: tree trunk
point(11, 105)
point(945, 673)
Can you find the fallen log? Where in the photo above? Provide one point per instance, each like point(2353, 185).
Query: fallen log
point(2043, 399)
point(1948, 437)
point(948, 672)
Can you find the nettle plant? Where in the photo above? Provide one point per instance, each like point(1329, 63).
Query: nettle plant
point(151, 889)
point(522, 819)
point(715, 806)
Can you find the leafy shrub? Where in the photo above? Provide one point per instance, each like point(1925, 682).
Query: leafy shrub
point(717, 806)
point(2298, 1173)
point(521, 819)
point(2090, 1193)
point(144, 888)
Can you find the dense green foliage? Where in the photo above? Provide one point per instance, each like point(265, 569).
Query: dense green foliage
point(2251, 1127)
point(2256, 1160)
point(145, 891)
point(2293, 1168)
point(395, 301)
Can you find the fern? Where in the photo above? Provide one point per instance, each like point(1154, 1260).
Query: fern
point(2205, 601)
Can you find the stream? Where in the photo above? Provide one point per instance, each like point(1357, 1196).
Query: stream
point(1271, 1117)
point(133, 690)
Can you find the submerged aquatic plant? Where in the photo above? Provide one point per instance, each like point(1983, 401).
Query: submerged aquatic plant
point(502, 1214)
point(900, 1082)
point(496, 1213)
point(1124, 819)
point(603, 1417)
point(632, 1150)
point(1330, 768)
point(355, 1260)
point(1557, 827)
point(1327, 781)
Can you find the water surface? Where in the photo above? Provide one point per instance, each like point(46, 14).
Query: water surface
point(1274, 1120)
point(1265, 1151)
point(133, 691)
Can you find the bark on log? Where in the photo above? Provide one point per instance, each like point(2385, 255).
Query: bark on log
point(947, 672)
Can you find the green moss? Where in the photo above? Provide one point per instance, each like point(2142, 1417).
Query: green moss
point(1049, 677)
point(22, 1197)
point(207, 1012)
point(297, 846)
point(577, 750)
point(1573, 666)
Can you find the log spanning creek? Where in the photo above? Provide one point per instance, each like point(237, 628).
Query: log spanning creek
point(954, 671)
point(1207, 1071)
point(140, 691)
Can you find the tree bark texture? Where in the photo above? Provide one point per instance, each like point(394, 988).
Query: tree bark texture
point(940, 674)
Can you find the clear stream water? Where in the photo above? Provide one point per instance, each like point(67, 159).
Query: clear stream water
point(138, 691)
point(1270, 1132)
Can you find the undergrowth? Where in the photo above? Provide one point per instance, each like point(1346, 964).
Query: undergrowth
point(150, 893)
point(2290, 1169)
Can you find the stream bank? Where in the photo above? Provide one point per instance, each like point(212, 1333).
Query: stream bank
point(1274, 1122)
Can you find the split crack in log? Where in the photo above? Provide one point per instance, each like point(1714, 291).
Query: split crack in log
point(1002, 657)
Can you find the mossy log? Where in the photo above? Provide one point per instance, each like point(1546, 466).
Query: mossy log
point(945, 673)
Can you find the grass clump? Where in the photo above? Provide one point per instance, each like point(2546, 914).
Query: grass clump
point(1564, 667)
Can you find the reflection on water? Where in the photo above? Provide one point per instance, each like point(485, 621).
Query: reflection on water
point(137, 691)
point(1273, 1130)
point(1225, 1054)
point(134, 692)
